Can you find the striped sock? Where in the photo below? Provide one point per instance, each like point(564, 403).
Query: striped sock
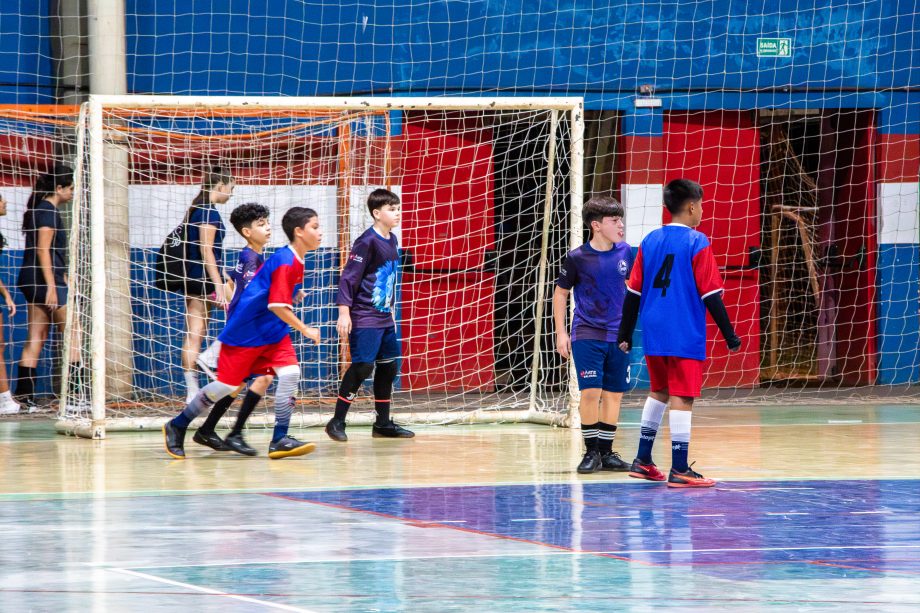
point(589, 433)
point(605, 436)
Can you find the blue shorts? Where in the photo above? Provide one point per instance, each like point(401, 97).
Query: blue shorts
point(601, 364)
point(369, 345)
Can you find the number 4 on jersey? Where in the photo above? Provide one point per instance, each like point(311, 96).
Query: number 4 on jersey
point(663, 276)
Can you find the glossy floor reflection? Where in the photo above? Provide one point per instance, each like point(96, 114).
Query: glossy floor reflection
point(817, 509)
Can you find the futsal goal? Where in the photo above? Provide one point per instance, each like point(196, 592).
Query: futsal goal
point(491, 191)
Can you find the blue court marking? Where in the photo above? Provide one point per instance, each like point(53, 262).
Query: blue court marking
point(743, 530)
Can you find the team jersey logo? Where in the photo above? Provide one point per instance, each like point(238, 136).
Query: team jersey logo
point(588, 374)
point(355, 257)
point(622, 267)
point(384, 287)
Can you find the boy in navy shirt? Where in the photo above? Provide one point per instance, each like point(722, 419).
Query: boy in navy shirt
point(257, 340)
point(597, 271)
point(674, 281)
point(251, 221)
point(367, 292)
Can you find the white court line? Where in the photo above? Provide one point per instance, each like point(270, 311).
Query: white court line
point(540, 552)
point(844, 421)
point(205, 590)
point(869, 512)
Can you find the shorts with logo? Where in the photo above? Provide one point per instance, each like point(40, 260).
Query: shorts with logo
point(236, 364)
point(601, 364)
point(679, 376)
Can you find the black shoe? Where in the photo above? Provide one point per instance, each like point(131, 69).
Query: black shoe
point(591, 463)
point(612, 461)
point(235, 442)
point(336, 430)
point(288, 447)
point(209, 438)
point(174, 439)
point(391, 430)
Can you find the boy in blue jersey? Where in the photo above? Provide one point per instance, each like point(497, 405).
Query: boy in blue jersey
point(674, 281)
point(257, 340)
point(597, 271)
point(367, 292)
point(251, 221)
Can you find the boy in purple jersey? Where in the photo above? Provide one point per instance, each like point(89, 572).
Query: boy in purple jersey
point(257, 339)
point(674, 281)
point(367, 293)
point(597, 271)
point(251, 221)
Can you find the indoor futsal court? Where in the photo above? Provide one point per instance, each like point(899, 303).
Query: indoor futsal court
point(815, 509)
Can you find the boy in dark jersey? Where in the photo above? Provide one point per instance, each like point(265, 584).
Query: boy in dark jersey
point(367, 292)
point(674, 281)
point(597, 271)
point(257, 340)
point(251, 221)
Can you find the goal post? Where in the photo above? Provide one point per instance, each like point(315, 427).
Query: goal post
point(492, 189)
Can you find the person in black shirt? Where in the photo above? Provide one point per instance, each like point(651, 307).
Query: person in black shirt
point(43, 274)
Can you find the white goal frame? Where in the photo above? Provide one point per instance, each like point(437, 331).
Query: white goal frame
point(91, 143)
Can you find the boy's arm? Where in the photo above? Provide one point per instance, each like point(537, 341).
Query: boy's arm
point(286, 315)
point(716, 308)
point(631, 305)
point(560, 306)
point(709, 285)
point(350, 281)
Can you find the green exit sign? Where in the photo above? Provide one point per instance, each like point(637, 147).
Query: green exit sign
point(774, 47)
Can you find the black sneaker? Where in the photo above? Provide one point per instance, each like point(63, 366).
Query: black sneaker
point(289, 447)
point(174, 439)
point(235, 442)
point(336, 430)
point(391, 430)
point(591, 463)
point(612, 461)
point(209, 438)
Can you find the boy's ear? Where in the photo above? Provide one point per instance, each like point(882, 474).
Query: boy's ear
point(246, 232)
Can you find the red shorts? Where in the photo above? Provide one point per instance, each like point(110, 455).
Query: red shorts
point(679, 376)
point(237, 363)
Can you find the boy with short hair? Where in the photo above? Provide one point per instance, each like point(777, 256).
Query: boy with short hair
point(251, 221)
point(367, 292)
point(597, 271)
point(674, 281)
point(256, 339)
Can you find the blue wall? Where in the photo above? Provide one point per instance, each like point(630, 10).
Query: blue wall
point(25, 53)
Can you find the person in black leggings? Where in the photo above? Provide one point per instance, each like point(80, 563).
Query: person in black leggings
point(8, 406)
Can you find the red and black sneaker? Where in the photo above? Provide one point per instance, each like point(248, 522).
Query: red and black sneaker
point(689, 478)
point(649, 471)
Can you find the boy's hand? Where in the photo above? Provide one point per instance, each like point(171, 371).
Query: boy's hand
point(10, 304)
point(343, 325)
point(564, 344)
point(734, 344)
point(312, 334)
point(624, 346)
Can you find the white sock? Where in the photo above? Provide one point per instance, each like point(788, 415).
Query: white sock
point(191, 382)
point(652, 413)
point(6, 396)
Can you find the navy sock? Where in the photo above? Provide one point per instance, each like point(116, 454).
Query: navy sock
point(679, 452)
point(646, 442)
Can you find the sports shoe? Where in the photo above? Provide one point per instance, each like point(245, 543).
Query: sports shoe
point(591, 463)
point(209, 438)
point(8, 406)
point(689, 478)
point(612, 461)
point(207, 362)
point(235, 442)
point(649, 472)
point(391, 430)
point(288, 447)
point(336, 430)
point(174, 440)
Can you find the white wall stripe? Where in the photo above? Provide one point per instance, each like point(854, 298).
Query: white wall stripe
point(897, 213)
point(643, 207)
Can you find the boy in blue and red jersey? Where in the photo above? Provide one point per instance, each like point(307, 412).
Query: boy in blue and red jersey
point(256, 339)
point(674, 281)
point(251, 221)
point(367, 295)
point(597, 272)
